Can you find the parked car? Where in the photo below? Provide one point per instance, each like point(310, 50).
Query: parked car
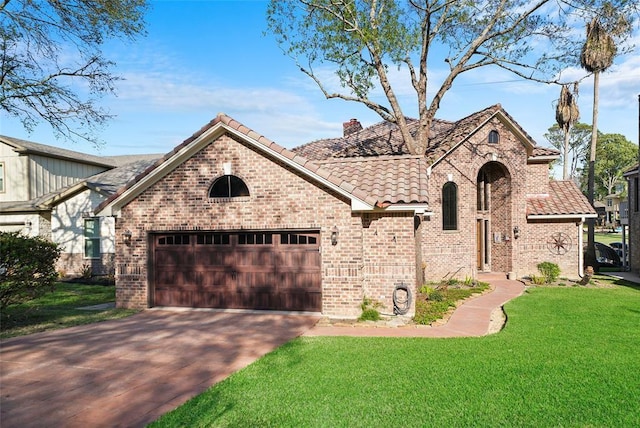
point(618, 247)
point(607, 256)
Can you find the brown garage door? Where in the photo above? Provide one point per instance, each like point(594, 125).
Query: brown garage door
point(238, 270)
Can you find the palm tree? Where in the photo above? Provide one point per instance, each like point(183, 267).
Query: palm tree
point(597, 55)
point(567, 114)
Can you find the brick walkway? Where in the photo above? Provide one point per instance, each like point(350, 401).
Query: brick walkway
point(476, 317)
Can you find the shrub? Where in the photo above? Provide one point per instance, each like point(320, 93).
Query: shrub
point(369, 310)
point(550, 271)
point(436, 296)
point(87, 271)
point(538, 279)
point(27, 267)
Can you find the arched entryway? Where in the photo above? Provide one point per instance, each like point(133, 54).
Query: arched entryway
point(493, 219)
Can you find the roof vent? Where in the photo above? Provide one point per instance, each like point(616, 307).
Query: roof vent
point(350, 127)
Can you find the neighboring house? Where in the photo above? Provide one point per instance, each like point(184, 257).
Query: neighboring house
point(51, 192)
point(601, 210)
point(632, 175)
point(612, 210)
point(229, 219)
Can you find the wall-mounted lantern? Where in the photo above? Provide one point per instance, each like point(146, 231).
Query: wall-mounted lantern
point(334, 235)
point(126, 236)
point(516, 232)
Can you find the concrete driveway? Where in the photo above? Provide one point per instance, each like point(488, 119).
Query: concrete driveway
point(129, 372)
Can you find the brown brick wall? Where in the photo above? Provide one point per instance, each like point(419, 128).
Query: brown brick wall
point(280, 199)
point(454, 253)
point(536, 245)
point(389, 256)
point(73, 264)
point(634, 225)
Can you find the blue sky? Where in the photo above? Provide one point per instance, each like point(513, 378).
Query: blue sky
point(204, 57)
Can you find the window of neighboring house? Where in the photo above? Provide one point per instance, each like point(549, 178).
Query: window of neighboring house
point(228, 186)
point(92, 238)
point(1, 177)
point(450, 206)
point(609, 202)
point(494, 137)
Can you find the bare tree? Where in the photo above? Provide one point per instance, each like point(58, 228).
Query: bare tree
point(52, 68)
point(361, 39)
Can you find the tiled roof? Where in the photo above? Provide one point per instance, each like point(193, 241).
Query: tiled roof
point(381, 139)
point(564, 199)
point(384, 139)
point(545, 151)
point(311, 167)
point(390, 179)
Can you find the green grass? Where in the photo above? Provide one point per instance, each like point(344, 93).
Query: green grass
point(606, 237)
point(59, 310)
point(569, 356)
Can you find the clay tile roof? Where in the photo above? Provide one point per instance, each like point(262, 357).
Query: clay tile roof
point(564, 199)
point(328, 174)
point(389, 179)
point(545, 151)
point(384, 139)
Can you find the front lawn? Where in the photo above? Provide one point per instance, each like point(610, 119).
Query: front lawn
point(60, 309)
point(568, 356)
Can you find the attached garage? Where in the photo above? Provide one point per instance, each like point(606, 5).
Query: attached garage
point(277, 270)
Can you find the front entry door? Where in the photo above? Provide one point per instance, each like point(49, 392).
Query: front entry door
point(482, 245)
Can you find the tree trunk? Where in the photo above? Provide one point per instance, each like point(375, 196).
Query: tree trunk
point(565, 166)
point(590, 256)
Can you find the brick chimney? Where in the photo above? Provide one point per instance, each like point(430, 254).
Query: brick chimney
point(350, 127)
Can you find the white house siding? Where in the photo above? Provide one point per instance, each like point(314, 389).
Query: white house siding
point(27, 224)
point(49, 174)
point(15, 175)
point(67, 222)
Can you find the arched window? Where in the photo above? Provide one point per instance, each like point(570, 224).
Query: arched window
point(228, 186)
point(494, 137)
point(450, 206)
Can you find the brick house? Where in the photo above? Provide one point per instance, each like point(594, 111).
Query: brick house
point(229, 219)
point(633, 179)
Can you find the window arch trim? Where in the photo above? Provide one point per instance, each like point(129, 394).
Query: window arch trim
point(494, 137)
point(450, 206)
point(228, 186)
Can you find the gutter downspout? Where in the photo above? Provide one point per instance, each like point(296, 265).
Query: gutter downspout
point(580, 250)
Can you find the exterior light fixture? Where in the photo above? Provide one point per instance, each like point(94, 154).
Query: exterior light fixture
point(334, 235)
point(516, 232)
point(126, 236)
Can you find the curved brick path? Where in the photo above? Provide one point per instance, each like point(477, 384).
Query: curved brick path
point(472, 318)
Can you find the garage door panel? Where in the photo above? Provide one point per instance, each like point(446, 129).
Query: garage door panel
point(173, 258)
point(247, 270)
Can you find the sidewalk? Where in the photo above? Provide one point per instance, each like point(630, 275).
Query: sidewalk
point(628, 276)
point(478, 316)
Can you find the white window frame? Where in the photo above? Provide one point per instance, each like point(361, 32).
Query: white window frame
point(94, 239)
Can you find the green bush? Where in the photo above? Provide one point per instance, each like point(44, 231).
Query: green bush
point(370, 310)
point(436, 296)
point(27, 267)
point(550, 271)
